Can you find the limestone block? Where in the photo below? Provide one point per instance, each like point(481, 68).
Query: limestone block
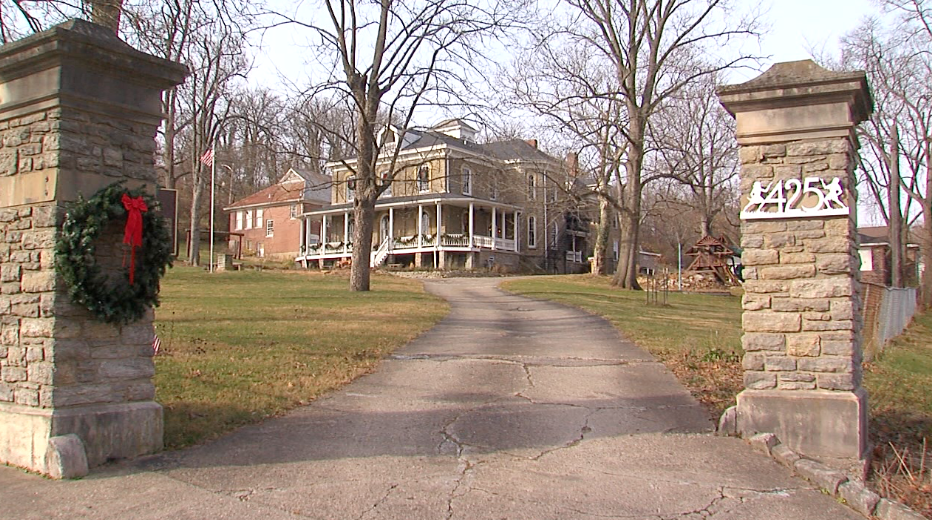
point(787, 171)
point(838, 347)
point(837, 263)
point(760, 380)
point(753, 361)
point(796, 258)
point(859, 497)
point(66, 458)
point(800, 304)
point(829, 244)
point(779, 364)
point(838, 161)
point(133, 368)
point(750, 154)
point(820, 475)
point(820, 325)
point(773, 150)
point(764, 226)
point(752, 342)
point(26, 396)
point(811, 423)
point(765, 321)
point(821, 288)
point(818, 147)
point(40, 281)
point(749, 241)
point(36, 327)
point(836, 382)
point(826, 364)
point(766, 286)
point(784, 455)
point(763, 442)
point(796, 381)
point(760, 257)
point(748, 171)
point(815, 316)
point(843, 310)
point(803, 345)
point(779, 240)
point(889, 510)
point(815, 167)
point(13, 374)
point(755, 302)
point(791, 272)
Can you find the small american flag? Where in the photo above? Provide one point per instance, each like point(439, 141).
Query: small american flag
point(208, 157)
point(156, 345)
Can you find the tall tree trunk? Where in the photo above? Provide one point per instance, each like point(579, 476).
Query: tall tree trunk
point(364, 215)
point(925, 289)
point(705, 226)
point(626, 274)
point(365, 192)
point(194, 249)
point(895, 218)
point(600, 252)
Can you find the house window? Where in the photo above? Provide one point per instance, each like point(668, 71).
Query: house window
point(350, 191)
point(249, 219)
point(531, 187)
point(294, 211)
point(239, 220)
point(615, 250)
point(269, 228)
point(553, 193)
point(532, 232)
point(554, 234)
point(423, 179)
point(467, 181)
point(259, 219)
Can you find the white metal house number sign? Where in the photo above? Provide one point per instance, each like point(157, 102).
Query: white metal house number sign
point(794, 198)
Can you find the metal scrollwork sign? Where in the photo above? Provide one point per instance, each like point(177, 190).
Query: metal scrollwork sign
point(794, 198)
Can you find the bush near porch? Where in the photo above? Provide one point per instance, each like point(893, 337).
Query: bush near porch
point(698, 337)
point(238, 347)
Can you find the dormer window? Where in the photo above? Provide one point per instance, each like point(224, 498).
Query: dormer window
point(423, 179)
point(386, 180)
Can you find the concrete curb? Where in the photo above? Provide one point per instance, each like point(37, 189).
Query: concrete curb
point(852, 493)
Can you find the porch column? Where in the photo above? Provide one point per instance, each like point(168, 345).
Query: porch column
point(420, 218)
point(494, 227)
point(471, 224)
point(439, 222)
point(345, 231)
point(391, 228)
point(302, 236)
point(516, 231)
point(323, 233)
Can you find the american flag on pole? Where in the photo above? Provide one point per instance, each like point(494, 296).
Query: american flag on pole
point(208, 157)
point(156, 346)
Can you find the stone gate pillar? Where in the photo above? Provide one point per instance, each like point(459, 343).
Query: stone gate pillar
point(79, 110)
point(802, 314)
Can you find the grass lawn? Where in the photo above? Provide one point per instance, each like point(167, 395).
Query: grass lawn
point(238, 347)
point(697, 336)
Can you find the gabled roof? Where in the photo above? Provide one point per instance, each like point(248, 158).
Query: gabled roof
point(294, 186)
point(879, 236)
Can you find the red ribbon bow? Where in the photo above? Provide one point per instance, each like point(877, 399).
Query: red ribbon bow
point(132, 235)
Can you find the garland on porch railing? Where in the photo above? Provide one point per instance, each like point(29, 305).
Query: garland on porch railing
point(126, 298)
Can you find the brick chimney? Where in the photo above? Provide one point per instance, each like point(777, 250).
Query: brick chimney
point(572, 164)
point(532, 142)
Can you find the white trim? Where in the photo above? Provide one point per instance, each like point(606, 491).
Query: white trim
point(531, 232)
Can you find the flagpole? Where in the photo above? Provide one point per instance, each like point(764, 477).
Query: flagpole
point(213, 170)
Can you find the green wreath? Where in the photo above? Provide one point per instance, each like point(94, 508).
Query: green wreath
point(111, 300)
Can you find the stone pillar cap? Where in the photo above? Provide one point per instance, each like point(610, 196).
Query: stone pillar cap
point(87, 41)
point(800, 83)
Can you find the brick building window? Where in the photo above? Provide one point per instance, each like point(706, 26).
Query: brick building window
point(423, 179)
point(259, 219)
point(294, 211)
point(249, 219)
point(467, 181)
point(239, 220)
point(269, 228)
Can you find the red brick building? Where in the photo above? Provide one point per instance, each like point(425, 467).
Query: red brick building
point(874, 252)
point(269, 220)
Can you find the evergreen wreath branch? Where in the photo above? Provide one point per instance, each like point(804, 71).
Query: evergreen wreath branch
point(111, 299)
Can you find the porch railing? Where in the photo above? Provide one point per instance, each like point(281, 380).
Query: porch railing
point(427, 241)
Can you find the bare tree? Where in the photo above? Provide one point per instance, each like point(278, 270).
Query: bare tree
point(899, 73)
point(626, 58)
point(695, 140)
point(391, 58)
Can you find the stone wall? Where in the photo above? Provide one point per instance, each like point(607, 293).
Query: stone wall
point(801, 301)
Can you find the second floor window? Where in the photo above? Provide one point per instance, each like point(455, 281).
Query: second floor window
point(350, 192)
point(531, 187)
point(294, 211)
point(249, 219)
point(423, 179)
point(532, 232)
point(467, 181)
point(239, 220)
point(259, 218)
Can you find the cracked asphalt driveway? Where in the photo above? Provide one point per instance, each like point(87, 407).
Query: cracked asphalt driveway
point(509, 409)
